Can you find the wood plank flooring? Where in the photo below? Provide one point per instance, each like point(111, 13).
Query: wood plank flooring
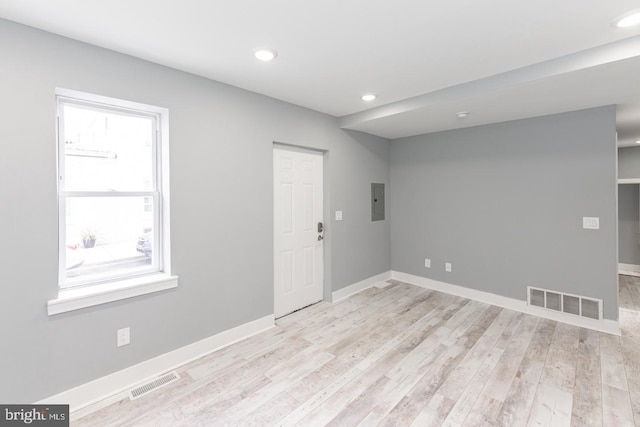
point(401, 355)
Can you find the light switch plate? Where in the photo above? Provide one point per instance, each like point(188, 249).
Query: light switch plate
point(338, 215)
point(124, 337)
point(591, 222)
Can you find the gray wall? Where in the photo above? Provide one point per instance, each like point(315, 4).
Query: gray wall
point(629, 162)
point(221, 211)
point(629, 224)
point(504, 204)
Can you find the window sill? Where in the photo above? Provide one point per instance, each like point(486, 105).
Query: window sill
point(75, 299)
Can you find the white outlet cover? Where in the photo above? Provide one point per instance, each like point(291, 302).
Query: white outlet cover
point(447, 267)
point(427, 262)
point(338, 215)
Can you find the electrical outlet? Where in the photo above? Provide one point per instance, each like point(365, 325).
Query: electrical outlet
point(447, 267)
point(427, 262)
point(124, 337)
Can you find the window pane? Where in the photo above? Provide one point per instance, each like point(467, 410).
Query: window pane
point(107, 151)
point(107, 237)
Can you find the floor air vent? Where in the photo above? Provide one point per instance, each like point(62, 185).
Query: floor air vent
point(565, 303)
point(150, 386)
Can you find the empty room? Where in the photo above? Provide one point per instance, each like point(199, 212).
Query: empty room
point(350, 213)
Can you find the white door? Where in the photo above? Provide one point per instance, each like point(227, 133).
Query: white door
point(298, 224)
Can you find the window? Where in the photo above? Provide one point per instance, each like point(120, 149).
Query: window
point(112, 190)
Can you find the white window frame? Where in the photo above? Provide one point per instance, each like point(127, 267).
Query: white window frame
point(80, 294)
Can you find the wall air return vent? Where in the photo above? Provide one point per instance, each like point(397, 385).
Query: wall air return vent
point(565, 303)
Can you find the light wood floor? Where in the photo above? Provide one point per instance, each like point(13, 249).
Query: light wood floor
point(402, 355)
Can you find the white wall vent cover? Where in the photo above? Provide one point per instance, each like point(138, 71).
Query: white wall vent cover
point(565, 303)
point(153, 385)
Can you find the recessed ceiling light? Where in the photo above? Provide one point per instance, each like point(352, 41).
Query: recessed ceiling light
point(265, 54)
point(368, 97)
point(638, 141)
point(628, 20)
point(462, 114)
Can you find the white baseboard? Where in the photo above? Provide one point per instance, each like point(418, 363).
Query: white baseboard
point(346, 292)
point(607, 326)
point(629, 273)
point(94, 395)
point(629, 269)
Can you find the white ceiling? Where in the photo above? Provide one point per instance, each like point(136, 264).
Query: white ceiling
point(426, 60)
